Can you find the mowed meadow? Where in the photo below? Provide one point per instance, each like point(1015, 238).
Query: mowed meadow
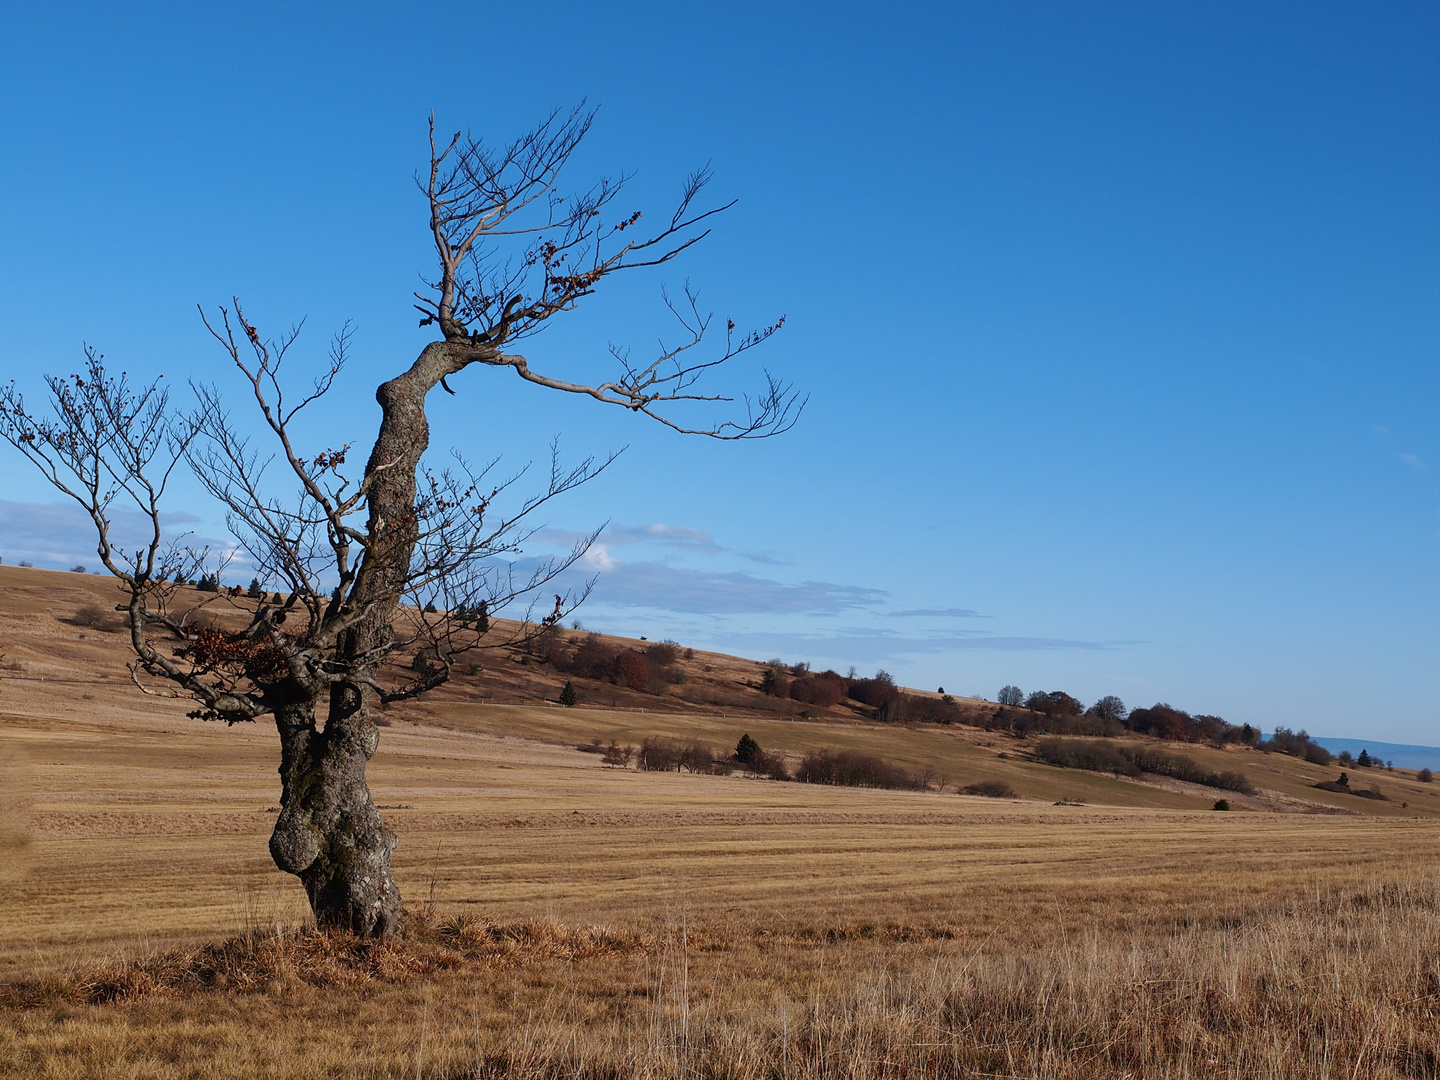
point(573, 919)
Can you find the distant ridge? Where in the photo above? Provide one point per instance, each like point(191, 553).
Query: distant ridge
point(1402, 754)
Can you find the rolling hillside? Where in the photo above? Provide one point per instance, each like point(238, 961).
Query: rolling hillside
point(66, 656)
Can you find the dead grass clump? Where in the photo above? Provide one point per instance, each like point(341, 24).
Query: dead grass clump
point(1338, 983)
point(1335, 986)
point(256, 963)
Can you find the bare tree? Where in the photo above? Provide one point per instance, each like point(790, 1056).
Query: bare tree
point(402, 557)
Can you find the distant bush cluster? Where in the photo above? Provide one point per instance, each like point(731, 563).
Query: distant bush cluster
point(1166, 722)
point(1122, 760)
point(845, 768)
point(753, 759)
point(850, 768)
point(991, 789)
point(1054, 712)
point(1342, 786)
point(1365, 761)
point(648, 671)
point(797, 682)
point(1179, 767)
point(893, 705)
point(669, 755)
point(1024, 722)
point(1298, 744)
point(1100, 757)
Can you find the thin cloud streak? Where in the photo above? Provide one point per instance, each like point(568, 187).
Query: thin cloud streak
point(707, 592)
point(870, 647)
point(671, 536)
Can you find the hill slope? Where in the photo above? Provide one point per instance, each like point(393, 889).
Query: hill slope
point(66, 658)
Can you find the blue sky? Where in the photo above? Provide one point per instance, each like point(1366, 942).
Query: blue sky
point(1119, 323)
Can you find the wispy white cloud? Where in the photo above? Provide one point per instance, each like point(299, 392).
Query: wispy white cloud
point(677, 537)
point(937, 613)
point(1385, 435)
point(660, 533)
point(689, 591)
point(866, 646)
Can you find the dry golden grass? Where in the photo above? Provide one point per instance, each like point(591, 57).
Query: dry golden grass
point(579, 920)
point(1335, 983)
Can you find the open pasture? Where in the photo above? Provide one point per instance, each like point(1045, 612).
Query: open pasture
point(574, 919)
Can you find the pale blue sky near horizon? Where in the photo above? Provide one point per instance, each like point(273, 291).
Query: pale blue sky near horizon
point(1119, 322)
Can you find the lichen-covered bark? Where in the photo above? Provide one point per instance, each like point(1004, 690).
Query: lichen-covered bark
point(329, 832)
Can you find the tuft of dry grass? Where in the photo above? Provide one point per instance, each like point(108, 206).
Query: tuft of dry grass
point(258, 961)
point(1339, 983)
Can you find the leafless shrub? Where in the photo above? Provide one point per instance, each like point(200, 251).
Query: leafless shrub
point(850, 768)
point(991, 789)
point(663, 653)
point(93, 617)
point(824, 690)
point(633, 671)
point(666, 755)
point(618, 755)
point(593, 658)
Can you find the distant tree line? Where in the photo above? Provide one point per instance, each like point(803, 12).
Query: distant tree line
point(843, 768)
point(656, 667)
point(1121, 759)
point(1055, 712)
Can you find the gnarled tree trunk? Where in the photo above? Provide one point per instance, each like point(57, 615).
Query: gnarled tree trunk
point(329, 832)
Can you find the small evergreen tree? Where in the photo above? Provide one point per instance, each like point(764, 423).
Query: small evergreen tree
point(1364, 760)
point(747, 749)
point(567, 695)
point(255, 592)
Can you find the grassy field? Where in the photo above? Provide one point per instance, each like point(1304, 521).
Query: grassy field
point(577, 920)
